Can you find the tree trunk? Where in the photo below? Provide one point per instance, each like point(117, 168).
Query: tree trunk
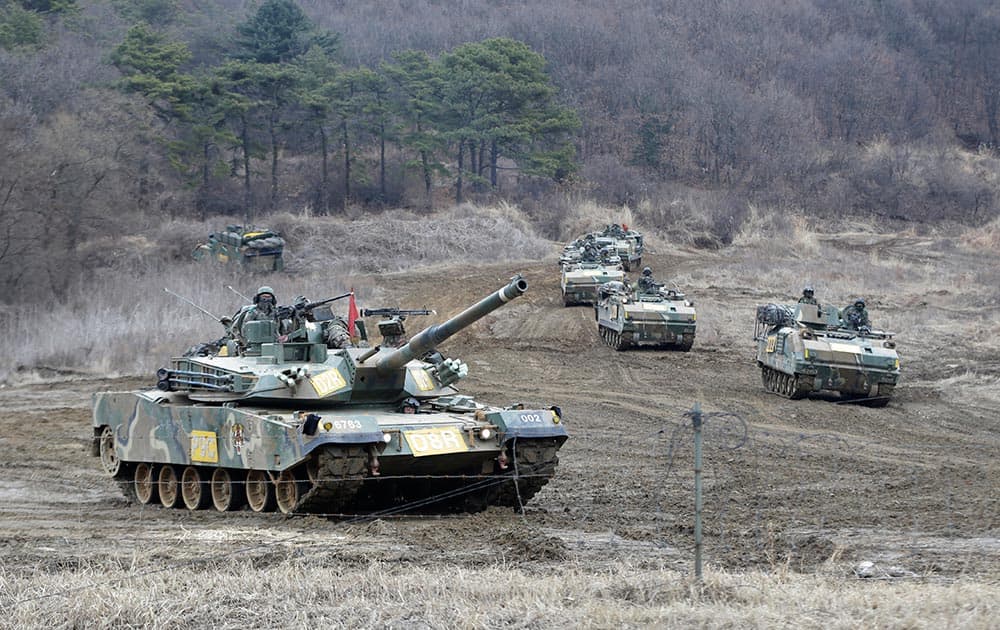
point(248, 210)
point(324, 198)
point(458, 182)
point(494, 156)
point(272, 124)
point(347, 162)
point(381, 161)
point(206, 148)
point(473, 164)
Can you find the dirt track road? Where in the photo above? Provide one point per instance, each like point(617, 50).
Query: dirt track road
point(801, 483)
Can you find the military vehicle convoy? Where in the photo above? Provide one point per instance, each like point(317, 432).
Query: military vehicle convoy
point(257, 249)
point(628, 319)
point(618, 239)
point(304, 427)
point(580, 281)
point(808, 348)
point(628, 244)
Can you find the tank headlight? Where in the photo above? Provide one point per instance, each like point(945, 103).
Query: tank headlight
point(387, 437)
point(327, 425)
point(485, 433)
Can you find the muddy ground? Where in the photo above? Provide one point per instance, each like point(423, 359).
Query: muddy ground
point(809, 485)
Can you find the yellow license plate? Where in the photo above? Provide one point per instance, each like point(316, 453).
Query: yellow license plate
point(435, 441)
point(327, 382)
point(204, 447)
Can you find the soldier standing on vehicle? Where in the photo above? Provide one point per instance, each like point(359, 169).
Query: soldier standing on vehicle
point(807, 296)
point(265, 306)
point(646, 283)
point(856, 315)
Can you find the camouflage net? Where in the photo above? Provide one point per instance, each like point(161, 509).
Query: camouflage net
point(775, 315)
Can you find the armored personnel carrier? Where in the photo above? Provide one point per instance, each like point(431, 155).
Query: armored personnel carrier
point(807, 348)
point(627, 242)
point(258, 249)
point(304, 427)
point(627, 319)
point(580, 281)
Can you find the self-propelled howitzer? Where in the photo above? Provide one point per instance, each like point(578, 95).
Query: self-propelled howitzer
point(305, 427)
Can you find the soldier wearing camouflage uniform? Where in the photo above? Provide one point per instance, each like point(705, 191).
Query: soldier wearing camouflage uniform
point(265, 306)
point(646, 283)
point(807, 296)
point(856, 315)
point(590, 253)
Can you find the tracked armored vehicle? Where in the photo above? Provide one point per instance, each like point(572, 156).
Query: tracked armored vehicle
point(627, 319)
point(627, 243)
point(257, 249)
point(808, 348)
point(304, 427)
point(580, 281)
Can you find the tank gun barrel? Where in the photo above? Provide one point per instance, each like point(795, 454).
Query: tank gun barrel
point(432, 336)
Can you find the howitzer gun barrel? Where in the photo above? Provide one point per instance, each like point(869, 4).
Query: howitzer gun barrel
point(432, 336)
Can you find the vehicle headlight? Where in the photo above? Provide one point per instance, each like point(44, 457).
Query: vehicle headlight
point(387, 437)
point(485, 433)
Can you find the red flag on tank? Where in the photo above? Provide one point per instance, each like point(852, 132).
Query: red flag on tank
point(352, 314)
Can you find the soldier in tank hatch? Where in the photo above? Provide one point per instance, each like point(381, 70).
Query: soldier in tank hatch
point(856, 315)
point(646, 283)
point(808, 296)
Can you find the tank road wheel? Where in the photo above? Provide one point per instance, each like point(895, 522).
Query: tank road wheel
point(259, 491)
point(287, 491)
point(145, 486)
point(800, 387)
point(685, 343)
point(109, 456)
point(225, 496)
point(533, 463)
point(193, 489)
point(765, 378)
point(168, 486)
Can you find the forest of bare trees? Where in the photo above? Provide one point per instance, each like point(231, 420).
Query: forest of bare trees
point(116, 115)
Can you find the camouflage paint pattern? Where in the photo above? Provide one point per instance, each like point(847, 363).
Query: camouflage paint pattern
point(662, 319)
point(164, 428)
point(580, 282)
point(259, 249)
point(824, 355)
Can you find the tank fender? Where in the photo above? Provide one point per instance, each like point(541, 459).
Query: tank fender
point(529, 423)
point(357, 429)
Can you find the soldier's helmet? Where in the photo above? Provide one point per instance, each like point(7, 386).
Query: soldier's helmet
point(300, 301)
point(646, 271)
point(411, 404)
point(808, 290)
point(860, 302)
point(264, 290)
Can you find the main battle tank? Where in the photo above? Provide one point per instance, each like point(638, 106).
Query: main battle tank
point(307, 428)
point(628, 319)
point(806, 348)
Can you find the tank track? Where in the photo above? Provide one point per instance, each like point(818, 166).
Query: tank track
point(535, 465)
point(336, 477)
point(786, 385)
point(618, 341)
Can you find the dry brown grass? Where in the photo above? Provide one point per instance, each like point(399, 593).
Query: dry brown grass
point(299, 591)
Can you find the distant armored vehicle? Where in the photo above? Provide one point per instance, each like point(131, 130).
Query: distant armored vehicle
point(258, 249)
point(627, 319)
point(628, 244)
point(581, 281)
point(305, 426)
point(807, 348)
